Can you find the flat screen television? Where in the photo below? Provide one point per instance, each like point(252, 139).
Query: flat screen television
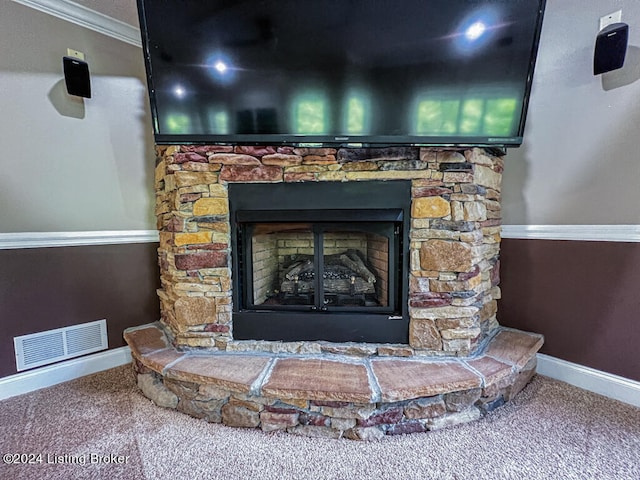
point(340, 72)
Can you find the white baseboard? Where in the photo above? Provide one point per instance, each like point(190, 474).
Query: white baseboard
point(62, 372)
point(603, 383)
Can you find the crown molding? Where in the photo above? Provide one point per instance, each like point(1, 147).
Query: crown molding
point(589, 233)
point(87, 18)
point(12, 241)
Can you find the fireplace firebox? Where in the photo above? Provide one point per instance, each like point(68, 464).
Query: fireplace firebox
point(321, 261)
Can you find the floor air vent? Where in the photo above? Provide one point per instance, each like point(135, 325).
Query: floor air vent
point(43, 348)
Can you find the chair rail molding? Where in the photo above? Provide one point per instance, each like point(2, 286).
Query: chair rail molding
point(12, 241)
point(588, 233)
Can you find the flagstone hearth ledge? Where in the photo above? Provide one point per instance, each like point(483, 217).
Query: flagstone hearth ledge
point(332, 395)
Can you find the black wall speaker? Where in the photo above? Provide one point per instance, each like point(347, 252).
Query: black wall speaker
point(76, 77)
point(611, 48)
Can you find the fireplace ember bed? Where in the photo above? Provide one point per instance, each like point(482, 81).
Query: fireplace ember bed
point(347, 292)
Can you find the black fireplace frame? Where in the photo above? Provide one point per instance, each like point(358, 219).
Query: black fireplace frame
point(330, 204)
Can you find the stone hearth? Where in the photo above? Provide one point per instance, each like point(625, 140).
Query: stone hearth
point(333, 395)
point(457, 362)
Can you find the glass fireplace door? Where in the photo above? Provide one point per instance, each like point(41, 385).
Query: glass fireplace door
point(319, 266)
point(281, 258)
point(355, 266)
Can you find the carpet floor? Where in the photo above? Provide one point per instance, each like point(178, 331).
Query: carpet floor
point(81, 429)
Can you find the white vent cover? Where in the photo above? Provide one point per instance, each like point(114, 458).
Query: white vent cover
point(43, 348)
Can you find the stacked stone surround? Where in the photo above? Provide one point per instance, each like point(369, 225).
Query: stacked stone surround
point(454, 240)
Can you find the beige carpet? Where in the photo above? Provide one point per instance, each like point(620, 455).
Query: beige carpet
point(550, 431)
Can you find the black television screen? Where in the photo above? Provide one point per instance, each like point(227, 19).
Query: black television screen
point(364, 72)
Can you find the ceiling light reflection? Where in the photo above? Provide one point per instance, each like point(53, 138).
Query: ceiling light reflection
point(220, 66)
point(475, 31)
point(179, 91)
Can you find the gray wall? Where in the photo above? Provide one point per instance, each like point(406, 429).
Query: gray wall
point(580, 160)
point(70, 164)
point(579, 165)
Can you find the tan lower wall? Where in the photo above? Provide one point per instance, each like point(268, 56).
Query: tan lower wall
point(582, 296)
point(46, 288)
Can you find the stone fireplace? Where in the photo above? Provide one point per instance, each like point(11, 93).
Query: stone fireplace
point(336, 292)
